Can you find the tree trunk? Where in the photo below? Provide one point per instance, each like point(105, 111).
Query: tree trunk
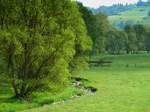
point(21, 91)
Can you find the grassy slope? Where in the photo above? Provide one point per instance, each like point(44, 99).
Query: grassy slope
point(123, 87)
point(135, 15)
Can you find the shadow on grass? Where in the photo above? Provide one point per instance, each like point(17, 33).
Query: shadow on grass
point(8, 99)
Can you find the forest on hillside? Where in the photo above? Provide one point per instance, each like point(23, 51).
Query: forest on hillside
point(117, 8)
point(120, 15)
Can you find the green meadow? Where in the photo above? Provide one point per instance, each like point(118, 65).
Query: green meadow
point(123, 86)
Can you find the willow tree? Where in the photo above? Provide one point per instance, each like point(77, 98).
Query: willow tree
point(38, 40)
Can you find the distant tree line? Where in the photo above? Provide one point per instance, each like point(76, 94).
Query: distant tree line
point(114, 9)
point(117, 8)
point(143, 3)
point(133, 39)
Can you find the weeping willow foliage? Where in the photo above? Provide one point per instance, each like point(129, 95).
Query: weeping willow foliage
point(41, 41)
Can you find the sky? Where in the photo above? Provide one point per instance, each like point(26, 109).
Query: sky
point(97, 3)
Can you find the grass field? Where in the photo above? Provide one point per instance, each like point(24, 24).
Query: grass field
point(122, 87)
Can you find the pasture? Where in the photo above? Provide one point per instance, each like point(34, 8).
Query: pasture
point(124, 86)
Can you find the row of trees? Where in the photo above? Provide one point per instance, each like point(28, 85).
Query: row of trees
point(133, 39)
point(107, 39)
point(97, 26)
point(47, 41)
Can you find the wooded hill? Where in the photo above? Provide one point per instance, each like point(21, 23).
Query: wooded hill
point(120, 15)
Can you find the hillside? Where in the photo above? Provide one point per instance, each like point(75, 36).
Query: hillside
point(114, 9)
point(138, 15)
